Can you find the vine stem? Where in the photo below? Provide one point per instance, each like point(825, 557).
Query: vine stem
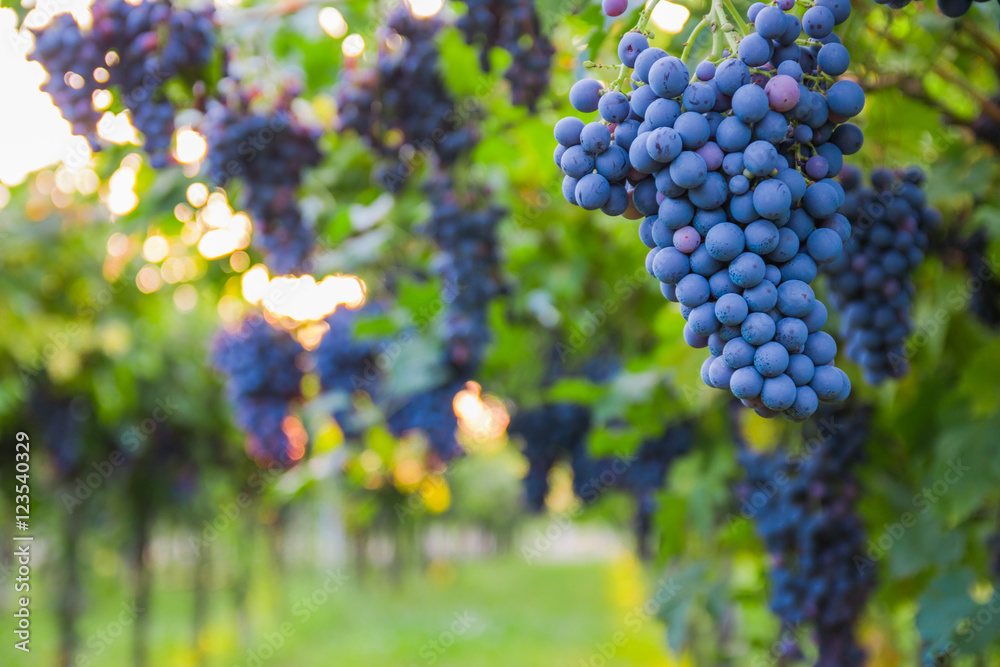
point(737, 17)
point(640, 26)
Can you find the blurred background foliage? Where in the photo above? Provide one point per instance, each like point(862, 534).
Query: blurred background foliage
point(163, 543)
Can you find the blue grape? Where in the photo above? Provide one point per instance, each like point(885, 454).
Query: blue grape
point(771, 359)
point(631, 45)
point(592, 192)
point(585, 95)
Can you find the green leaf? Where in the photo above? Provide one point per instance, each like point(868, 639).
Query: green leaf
point(943, 606)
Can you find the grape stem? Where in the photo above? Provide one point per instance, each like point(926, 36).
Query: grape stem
point(694, 34)
point(737, 17)
point(640, 26)
point(722, 18)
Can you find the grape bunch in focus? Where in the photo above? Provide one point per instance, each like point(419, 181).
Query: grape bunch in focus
point(263, 379)
point(135, 50)
point(870, 282)
point(514, 27)
point(732, 169)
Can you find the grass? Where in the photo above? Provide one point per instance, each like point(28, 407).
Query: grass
point(473, 614)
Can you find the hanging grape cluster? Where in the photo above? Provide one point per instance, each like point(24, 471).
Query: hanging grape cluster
point(262, 380)
point(346, 363)
point(556, 432)
point(732, 169)
point(268, 152)
point(402, 107)
point(870, 282)
point(984, 297)
point(550, 433)
point(514, 27)
point(950, 8)
point(135, 48)
point(468, 262)
point(641, 476)
point(432, 413)
point(60, 422)
point(804, 509)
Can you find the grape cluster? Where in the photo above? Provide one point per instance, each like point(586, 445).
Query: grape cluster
point(469, 264)
point(555, 432)
point(262, 380)
point(550, 433)
point(137, 48)
point(346, 363)
point(804, 511)
point(984, 299)
point(870, 282)
point(950, 8)
point(268, 152)
point(60, 421)
point(514, 27)
point(402, 107)
point(732, 170)
point(993, 551)
point(432, 413)
point(640, 477)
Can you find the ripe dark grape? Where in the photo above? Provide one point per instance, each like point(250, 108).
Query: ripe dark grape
point(732, 175)
point(803, 508)
point(136, 49)
point(512, 25)
point(870, 281)
point(262, 381)
point(614, 8)
point(403, 103)
point(269, 153)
